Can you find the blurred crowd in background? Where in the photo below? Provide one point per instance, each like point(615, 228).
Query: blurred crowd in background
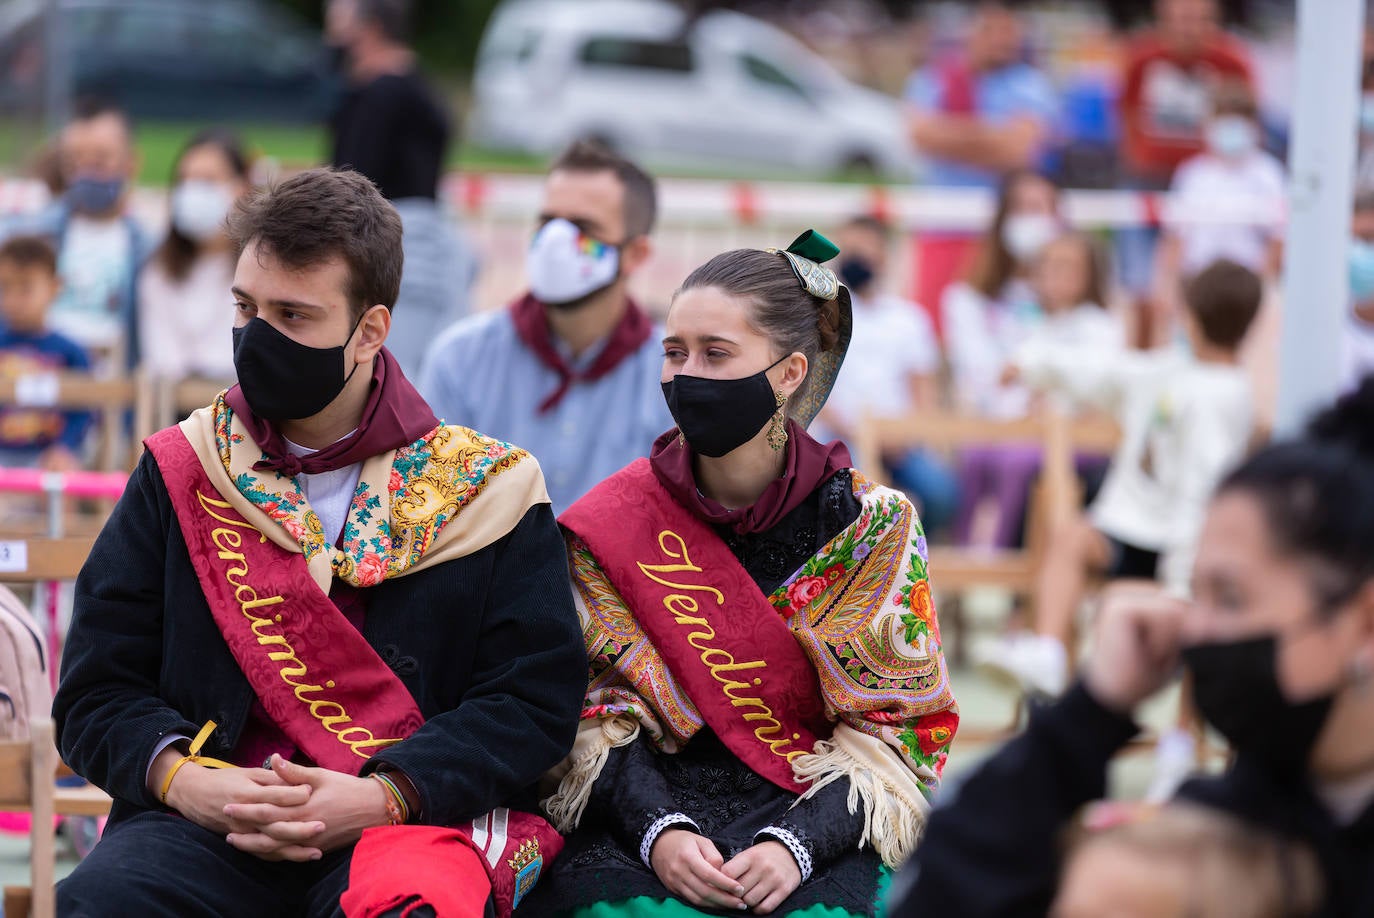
point(1162, 317)
point(1011, 101)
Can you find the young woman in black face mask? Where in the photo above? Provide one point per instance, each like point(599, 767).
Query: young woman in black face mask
point(1280, 643)
point(769, 710)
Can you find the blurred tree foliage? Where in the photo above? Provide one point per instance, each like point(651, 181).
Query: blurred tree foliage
point(447, 32)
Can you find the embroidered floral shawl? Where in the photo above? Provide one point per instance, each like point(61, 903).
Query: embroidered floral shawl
point(862, 610)
point(403, 510)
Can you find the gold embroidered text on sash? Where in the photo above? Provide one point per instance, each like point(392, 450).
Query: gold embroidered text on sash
point(684, 608)
point(330, 714)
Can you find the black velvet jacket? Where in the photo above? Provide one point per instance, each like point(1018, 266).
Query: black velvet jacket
point(488, 645)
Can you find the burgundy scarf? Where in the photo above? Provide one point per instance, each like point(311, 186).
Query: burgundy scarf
point(532, 326)
point(809, 465)
point(395, 415)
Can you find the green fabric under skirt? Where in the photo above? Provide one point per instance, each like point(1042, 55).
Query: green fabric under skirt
point(660, 908)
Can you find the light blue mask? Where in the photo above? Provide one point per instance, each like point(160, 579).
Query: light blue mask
point(1232, 136)
point(1361, 260)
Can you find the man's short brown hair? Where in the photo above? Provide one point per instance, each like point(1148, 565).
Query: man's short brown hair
point(641, 197)
point(30, 252)
point(1224, 298)
point(322, 214)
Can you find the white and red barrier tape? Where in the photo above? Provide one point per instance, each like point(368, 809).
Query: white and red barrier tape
point(513, 197)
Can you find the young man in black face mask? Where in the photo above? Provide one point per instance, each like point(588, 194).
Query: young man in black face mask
point(570, 370)
point(323, 636)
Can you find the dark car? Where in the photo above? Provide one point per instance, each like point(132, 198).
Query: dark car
point(171, 59)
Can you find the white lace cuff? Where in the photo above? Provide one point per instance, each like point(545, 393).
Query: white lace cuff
point(660, 825)
point(799, 852)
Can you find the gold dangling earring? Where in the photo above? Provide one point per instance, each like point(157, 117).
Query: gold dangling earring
point(777, 427)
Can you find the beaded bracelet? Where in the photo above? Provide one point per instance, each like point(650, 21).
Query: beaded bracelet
point(397, 810)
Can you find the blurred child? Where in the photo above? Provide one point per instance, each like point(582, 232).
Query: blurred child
point(1071, 291)
point(1185, 417)
point(988, 313)
point(1067, 283)
point(1231, 201)
point(99, 244)
point(28, 286)
point(1183, 860)
point(891, 369)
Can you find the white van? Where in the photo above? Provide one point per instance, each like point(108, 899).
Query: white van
point(732, 92)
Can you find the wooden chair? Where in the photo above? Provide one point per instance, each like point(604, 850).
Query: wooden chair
point(26, 785)
point(1057, 494)
point(174, 401)
point(28, 768)
point(1055, 498)
point(112, 399)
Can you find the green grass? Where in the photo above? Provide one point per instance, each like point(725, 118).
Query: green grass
point(291, 145)
point(295, 146)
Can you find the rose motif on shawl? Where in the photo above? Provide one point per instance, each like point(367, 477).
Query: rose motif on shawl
point(801, 593)
point(934, 731)
point(371, 569)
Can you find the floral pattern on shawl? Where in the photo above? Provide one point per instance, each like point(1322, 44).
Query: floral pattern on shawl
point(861, 609)
point(392, 522)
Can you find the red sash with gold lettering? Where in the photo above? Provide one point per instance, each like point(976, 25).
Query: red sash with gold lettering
point(725, 644)
point(315, 674)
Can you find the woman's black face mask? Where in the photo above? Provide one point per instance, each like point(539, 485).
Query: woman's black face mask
point(718, 416)
point(1236, 689)
point(284, 380)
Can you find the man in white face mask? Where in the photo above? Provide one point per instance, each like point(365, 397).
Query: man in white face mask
point(570, 370)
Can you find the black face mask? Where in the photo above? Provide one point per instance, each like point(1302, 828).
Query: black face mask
point(856, 272)
point(1236, 689)
point(718, 416)
point(284, 380)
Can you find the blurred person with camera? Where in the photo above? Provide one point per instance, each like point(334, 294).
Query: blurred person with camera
point(1279, 641)
point(570, 369)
